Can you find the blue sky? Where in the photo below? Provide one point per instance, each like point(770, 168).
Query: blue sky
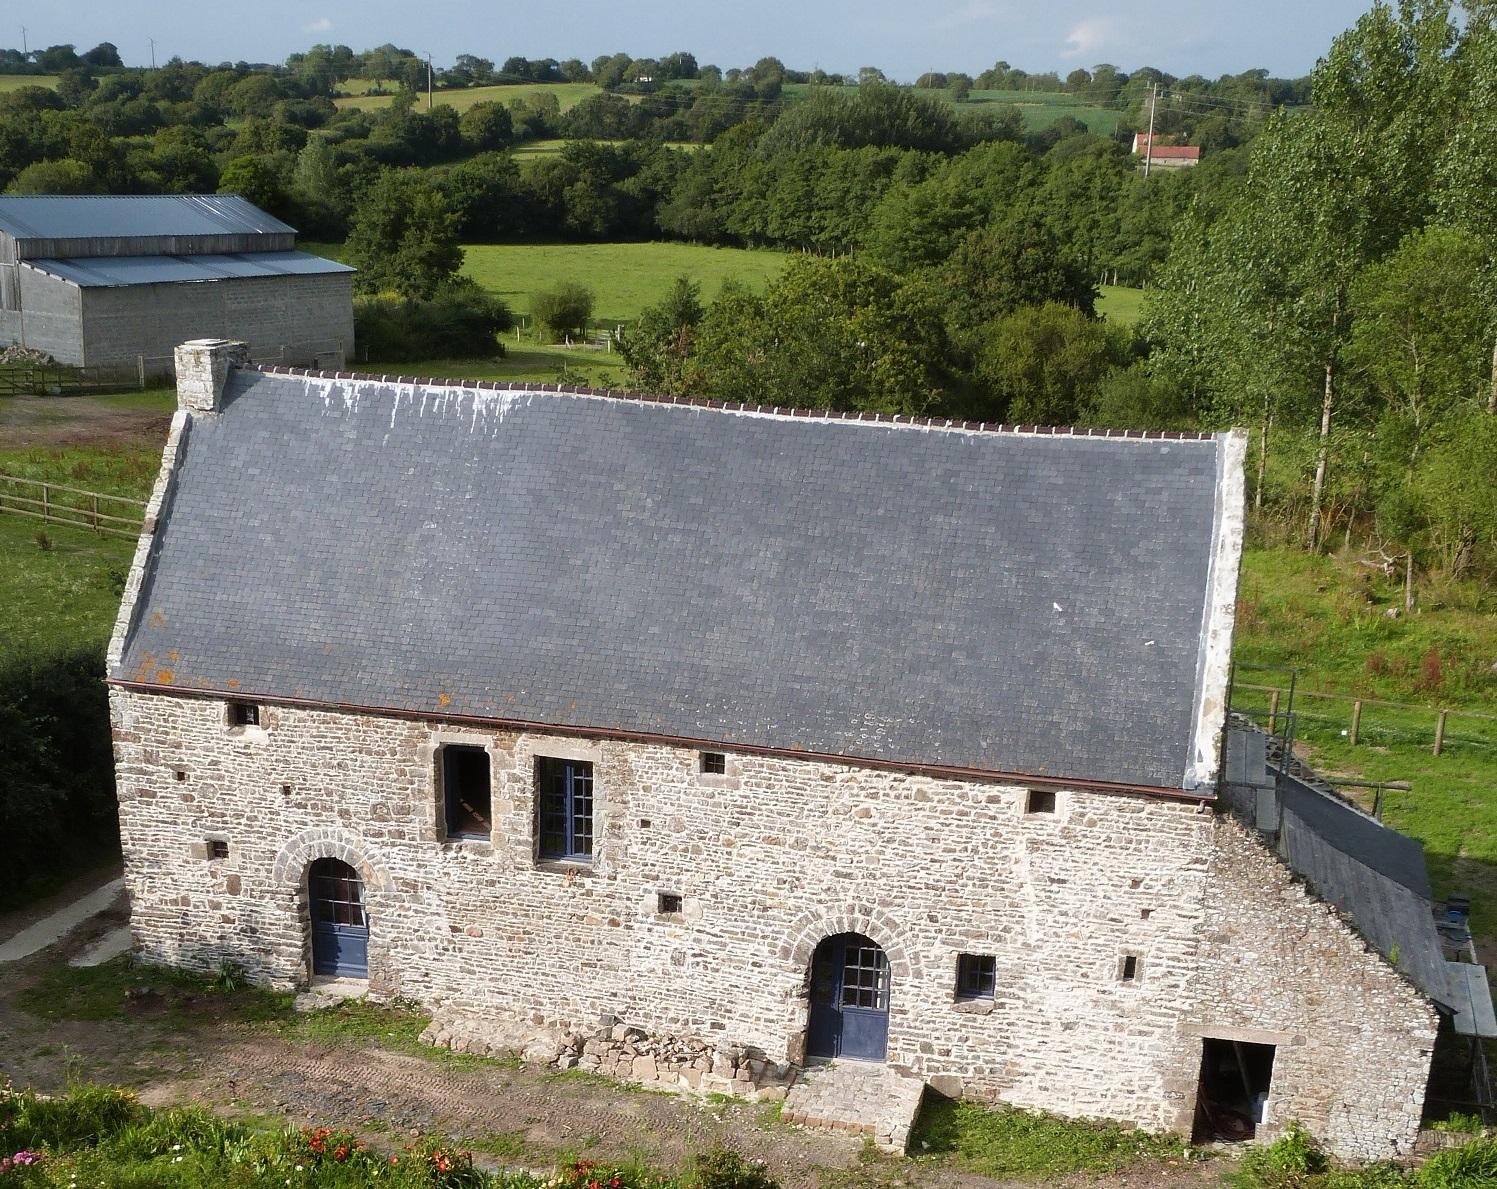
point(902, 37)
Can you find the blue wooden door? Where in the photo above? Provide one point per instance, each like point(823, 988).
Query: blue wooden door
point(849, 999)
point(340, 927)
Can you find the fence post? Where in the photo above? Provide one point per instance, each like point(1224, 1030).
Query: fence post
point(94, 501)
point(46, 509)
point(1440, 732)
point(140, 370)
point(1273, 713)
point(1356, 720)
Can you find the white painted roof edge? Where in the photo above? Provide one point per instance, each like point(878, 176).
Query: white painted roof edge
point(1219, 616)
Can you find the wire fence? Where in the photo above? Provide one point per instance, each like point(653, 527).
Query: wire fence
point(1373, 722)
point(110, 515)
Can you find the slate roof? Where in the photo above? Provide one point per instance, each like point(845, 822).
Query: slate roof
point(976, 600)
point(1375, 875)
point(93, 272)
point(81, 216)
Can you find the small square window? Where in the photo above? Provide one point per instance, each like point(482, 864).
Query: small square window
point(976, 976)
point(218, 848)
point(244, 714)
point(1131, 969)
point(668, 904)
point(564, 809)
point(465, 792)
point(714, 763)
point(1040, 801)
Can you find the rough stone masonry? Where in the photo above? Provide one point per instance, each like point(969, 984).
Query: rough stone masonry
point(1124, 926)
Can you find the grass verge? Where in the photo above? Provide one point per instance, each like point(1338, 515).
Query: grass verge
point(1007, 1143)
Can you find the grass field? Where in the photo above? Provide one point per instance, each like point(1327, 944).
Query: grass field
point(14, 82)
point(1120, 303)
point(1324, 616)
point(569, 95)
point(531, 150)
point(625, 277)
point(1040, 109)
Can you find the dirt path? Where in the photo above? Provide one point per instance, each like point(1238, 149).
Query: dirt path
point(245, 1056)
point(28, 421)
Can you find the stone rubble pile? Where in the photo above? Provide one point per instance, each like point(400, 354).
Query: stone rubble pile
point(622, 1052)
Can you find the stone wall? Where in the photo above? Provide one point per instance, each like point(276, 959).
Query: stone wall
point(1352, 1036)
point(768, 859)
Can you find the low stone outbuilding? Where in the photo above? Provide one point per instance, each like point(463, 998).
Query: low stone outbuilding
point(117, 281)
point(696, 743)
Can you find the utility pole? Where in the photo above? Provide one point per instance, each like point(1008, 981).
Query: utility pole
point(428, 84)
point(152, 40)
point(1149, 148)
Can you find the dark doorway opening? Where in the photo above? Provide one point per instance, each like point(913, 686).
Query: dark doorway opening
point(1233, 1097)
point(849, 999)
point(340, 927)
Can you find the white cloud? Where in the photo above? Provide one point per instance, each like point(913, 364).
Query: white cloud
point(320, 25)
point(1087, 38)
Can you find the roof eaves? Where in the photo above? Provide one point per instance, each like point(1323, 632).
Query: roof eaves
point(1194, 796)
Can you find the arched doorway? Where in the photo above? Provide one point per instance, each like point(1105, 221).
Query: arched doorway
point(849, 999)
point(340, 927)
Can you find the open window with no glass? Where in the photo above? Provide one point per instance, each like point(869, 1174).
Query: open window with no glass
point(243, 714)
point(466, 794)
point(1040, 801)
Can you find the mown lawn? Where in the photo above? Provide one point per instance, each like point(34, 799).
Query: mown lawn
point(568, 95)
point(625, 277)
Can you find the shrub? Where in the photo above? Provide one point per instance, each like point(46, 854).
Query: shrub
point(1466, 1167)
point(460, 322)
point(85, 1116)
point(563, 309)
point(722, 1168)
point(1293, 1161)
point(56, 767)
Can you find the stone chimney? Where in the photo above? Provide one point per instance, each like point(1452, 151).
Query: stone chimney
point(202, 370)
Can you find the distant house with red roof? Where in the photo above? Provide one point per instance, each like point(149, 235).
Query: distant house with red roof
point(1166, 156)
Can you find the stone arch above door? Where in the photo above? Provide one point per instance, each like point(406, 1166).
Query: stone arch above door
point(326, 842)
point(812, 927)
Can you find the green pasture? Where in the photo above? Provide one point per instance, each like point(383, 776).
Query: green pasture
point(569, 95)
point(14, 82)
point(624, 277)
point(1039, 109)
point(533, 150)
point(1122, 304)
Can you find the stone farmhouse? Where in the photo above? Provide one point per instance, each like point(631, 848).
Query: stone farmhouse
point(118, 281)
point(699, 743)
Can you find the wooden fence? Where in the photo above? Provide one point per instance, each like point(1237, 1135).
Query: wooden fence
point(29, 379)
point(114, 515)
point(1368, 720)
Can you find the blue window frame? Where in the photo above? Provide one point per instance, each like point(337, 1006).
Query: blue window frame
point(976, 976)
point(564, 808)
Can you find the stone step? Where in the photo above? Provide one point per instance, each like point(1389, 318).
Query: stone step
point(864, 1097)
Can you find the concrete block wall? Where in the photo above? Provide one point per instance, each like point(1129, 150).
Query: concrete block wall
point(305, 314)
point(49, 318)
point(769, 859)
